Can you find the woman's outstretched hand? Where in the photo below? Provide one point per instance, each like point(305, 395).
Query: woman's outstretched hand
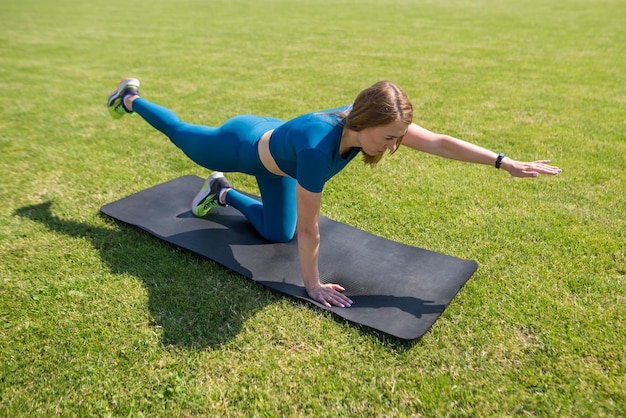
point(529, 169)
point(329, 294)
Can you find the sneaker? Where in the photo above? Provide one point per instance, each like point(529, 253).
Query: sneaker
point(208, 197)
point(115, 103)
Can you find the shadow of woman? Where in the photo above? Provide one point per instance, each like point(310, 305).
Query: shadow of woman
point(196, 302)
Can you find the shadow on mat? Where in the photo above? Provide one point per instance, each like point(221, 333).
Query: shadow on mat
point(191, 312)
point(411, 305)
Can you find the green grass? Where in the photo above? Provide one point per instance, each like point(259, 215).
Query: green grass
point(99, 319)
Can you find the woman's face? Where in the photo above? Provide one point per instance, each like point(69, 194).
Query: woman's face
point(378, 139)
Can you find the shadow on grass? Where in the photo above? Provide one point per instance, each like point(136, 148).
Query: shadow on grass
point(196, 302)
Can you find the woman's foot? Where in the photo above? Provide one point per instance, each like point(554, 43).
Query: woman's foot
point(115, 102)
point(211, 194)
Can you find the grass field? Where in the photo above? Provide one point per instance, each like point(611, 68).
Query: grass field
point(100, 319)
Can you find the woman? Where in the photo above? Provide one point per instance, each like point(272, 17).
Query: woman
point(292, 161)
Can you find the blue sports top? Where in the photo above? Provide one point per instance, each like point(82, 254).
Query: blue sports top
point(307, 148)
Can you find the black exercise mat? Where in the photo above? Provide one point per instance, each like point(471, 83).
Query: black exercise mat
point(396, 288)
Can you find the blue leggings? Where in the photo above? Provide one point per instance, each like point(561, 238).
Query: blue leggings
point(234, 147)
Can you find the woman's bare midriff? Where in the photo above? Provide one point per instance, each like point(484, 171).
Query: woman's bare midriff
point(266, 157)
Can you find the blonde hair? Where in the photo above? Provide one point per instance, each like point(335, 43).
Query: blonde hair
point(380, 104)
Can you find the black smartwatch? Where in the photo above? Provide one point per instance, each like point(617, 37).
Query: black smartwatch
point(499, 160)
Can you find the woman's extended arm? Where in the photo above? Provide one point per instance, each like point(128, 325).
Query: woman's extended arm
point(308, 205)
point(446, 146)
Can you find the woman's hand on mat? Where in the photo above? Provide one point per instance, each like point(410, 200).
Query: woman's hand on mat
point(529, 169)
point(329, 294)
